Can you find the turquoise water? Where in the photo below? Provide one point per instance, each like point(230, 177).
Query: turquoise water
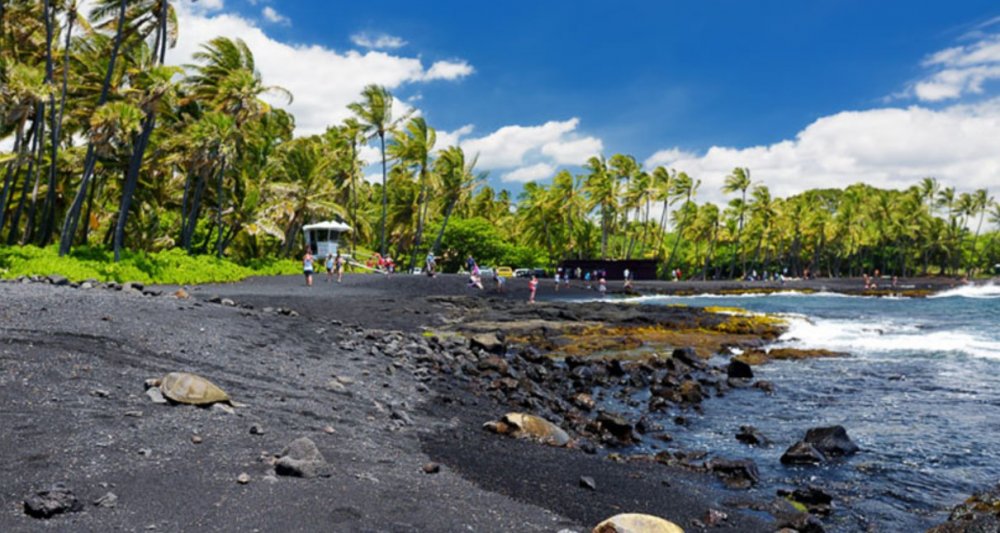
point(920, 393)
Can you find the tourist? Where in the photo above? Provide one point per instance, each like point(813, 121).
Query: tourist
point(586, 278)
point(602, 286)
point(474, 278)
point(307, 267)
point(532, 286)
point(499, 280)
point(558, 273)
point(579, 273)
point(338, 263)
point(430, 264)
point(628, 280)
point(329, 267)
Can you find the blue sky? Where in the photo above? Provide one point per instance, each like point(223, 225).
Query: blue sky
point(803, 92)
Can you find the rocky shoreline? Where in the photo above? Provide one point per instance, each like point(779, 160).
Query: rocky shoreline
point(391, 381)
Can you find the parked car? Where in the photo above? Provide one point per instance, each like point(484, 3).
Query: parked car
point(522, 273)
point(485, 272)
point(504, 272)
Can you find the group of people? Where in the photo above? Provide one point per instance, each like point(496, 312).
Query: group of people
point(334, 266)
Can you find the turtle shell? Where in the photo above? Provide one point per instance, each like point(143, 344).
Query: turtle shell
point(537, 428)
point(182, 387)
point(636, 523)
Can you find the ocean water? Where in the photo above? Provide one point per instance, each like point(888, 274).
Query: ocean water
point(919, 393)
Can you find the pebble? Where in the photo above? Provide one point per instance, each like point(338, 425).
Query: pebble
point(587, 482)
point(108, 500)
point(432, 468)
point(145, 452)
point(243, 478)
point(196, 439)
point(329, 430)
point(257, 429)
point(134, 414)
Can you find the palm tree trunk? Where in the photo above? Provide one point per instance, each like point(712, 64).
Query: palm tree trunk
point(381, 136)
point(32, 164)
point(220, 199)
point(421, 209)
point(50, 197)
point(447, 215)
point(90, 160)
point(10, 178)
point(132, 180)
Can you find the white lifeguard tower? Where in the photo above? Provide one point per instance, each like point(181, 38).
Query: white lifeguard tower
point(323, 238)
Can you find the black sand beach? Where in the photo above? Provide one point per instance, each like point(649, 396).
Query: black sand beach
point(335, 363)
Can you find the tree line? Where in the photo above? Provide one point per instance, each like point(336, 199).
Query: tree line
point(112, 147)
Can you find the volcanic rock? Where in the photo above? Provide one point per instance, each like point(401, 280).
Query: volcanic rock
point(301, 458)
point(47, 503)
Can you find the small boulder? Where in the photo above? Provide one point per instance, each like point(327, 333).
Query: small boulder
point(47, 503)
point(431, 468)
point(522, 425)
point(58, 280)
point(687, 356)
point(832, 441)
point(635, 522)
point(815, 500)
point(488, 342)
point(616, 425)
point(736, 474)
point(802, 453)
point(588, 483)
point(739, 370)
point(752, 436)
point(301, 458)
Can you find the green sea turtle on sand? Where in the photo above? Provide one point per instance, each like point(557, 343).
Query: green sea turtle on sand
point(522, 425)
point(182, 387)
point(636, 523)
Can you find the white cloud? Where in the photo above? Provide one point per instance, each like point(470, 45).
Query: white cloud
point(885, 147)
point(448, 70)
point(380, 41)
point(322, 81)
point(450, 138)
point(508, 146)
point(960, 70)
point(529, 173)
point(273, 16)
point(573, 152)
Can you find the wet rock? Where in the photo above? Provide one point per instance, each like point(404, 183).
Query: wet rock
point(765, 386)
point(47, 503)
point(495, 363)
point(691, 391)
point(687, 356)
point(752, 436)
point(831, 441)
point(738, 369)
point(522, 425)
point(616, 425)
point(979, 513)
point(588, 483)
point(110, 499)
point(714, 517)
point(815, 500)
point(802, 453)
point(736, 474)
point(301, 458)
point(488, 342)
point(583, 401)
point(800, 522)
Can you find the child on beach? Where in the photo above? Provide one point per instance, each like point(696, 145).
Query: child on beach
point(532, 286)
point(474, 279)
point(307, 267)
point(330, 265)
point(338, 263)
point(499, 280)
point(628, 280)
point(602, 286)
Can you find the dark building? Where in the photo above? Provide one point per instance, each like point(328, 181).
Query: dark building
point(641, 269)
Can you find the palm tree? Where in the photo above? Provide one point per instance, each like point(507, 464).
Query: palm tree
point(413, 147)
point(73, 216)
point(374, 112)
point(981, 201)
point(602, 190)
point(738, 180)
point(663, 185)
point(686, 188)
point(457, 180)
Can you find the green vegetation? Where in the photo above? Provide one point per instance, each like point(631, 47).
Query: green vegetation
point(111, 149)
point(170, 267)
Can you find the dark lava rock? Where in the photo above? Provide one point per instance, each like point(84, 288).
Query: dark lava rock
point(488, 342)
point(57, 499)
point(493, 362)
point(736, 474)
point(56, 279)
point(764, 385)
point(800, 522)
point(301, 458)
point(687, 356)
point(739, 369)
point(802, 453)
point(587, 482)
point(616, 425)
point(831, 441)
point(978, 514)
point(752, 436)
point(691, 391)
point(815, 500)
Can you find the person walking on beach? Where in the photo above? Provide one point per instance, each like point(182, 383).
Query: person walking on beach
point(558, 273)
point(628, 280)
point(430, 264)
point(602, 286)
point(499, 280)
point(307, 267)
point(330, 265)
point(532, 286)
point(338, 264)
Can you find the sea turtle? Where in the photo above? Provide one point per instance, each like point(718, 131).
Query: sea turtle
point(522, 425)
point(182, 387)
point(636, 523)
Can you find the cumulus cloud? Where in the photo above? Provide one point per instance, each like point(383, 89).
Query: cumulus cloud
point(323, 81)
point(960, 70)
point(379, 41)
point(885, 147)
point(528, 173)
point(273, 16)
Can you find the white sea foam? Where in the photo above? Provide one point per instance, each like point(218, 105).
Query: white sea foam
point(988, 290)
point(866, 337)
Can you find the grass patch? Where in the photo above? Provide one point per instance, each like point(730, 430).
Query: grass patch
point(170, 267)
